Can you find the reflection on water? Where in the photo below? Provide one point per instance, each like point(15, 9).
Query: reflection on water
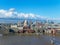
point(54, 39)
point(16, 39)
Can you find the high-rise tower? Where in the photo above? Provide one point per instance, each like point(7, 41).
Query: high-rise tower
point(25, 23)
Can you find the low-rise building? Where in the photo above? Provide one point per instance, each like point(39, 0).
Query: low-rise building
point(13, 26)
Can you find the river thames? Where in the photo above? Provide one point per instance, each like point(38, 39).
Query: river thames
point(18, 39)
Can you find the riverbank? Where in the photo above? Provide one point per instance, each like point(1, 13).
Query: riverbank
point(31, 34)
point(23, 39)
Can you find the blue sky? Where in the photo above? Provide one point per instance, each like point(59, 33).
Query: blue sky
point(47, 8)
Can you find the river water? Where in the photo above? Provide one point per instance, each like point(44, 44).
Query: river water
point(16, 39)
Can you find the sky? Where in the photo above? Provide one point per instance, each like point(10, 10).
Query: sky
point(43, 8)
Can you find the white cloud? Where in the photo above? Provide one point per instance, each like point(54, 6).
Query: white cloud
point(27, 15)
point(7, 13)
point(12, 9)
point(12, 14)
point(2, 11)
point(32, 15)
